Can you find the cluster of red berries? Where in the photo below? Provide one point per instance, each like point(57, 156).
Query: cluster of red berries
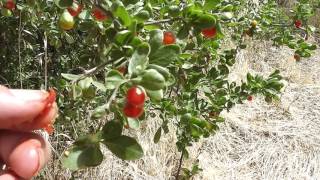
point(98, 13)
point(134, 102)
point(169, 37)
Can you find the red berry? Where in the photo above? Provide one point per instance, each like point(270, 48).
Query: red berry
point(249, 98)
point(133, 111)
point(209, 32)
point(10, 4)
point(298, 23)
point(136, 96)
point(99, 14)
point(168, 38)
point(75, 9)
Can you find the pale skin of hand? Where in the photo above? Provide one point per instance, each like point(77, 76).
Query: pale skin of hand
point(24, 152)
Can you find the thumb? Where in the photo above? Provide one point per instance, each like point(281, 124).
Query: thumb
point(24, 153)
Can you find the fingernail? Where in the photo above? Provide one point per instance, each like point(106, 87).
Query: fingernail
point(41, 158)
point(34, 161)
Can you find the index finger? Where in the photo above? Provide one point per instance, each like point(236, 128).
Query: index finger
point(26, 108)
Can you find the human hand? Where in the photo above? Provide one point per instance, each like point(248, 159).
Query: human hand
point(24, 153)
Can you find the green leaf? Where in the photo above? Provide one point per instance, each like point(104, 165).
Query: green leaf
point(153, 80)
point(86, 26)
point(133, 27)
point(151, 27)
point(99, 111)
point(69, 38)
point(63, 3)
point(89, 93)
point(204, 21)
point(114, 79)
point(121, 12)
point(312, 47)
point(156, 40)
point(133, 123)
point(174, 11)
point(211, 4)
point(227, 8)
point(196, 131)
point(76, 91)
point(127, 2)
point(79, 157)
point(184, 31)
point(71, 77)
point(139, 60)
point(157, 135)
point(111, 129)
point(249, 78)
point(123, 37)
point(142, 15)
point(87, 140)
point(135, 42)
point(85, 14)
point(85, 83)
point(155, 96)
point(227, 15)
point(224, 70)
point(99, 86)
point(170, 80)
point(125, 148)
point(165, 55)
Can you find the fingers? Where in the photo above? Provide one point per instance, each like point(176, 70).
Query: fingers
point(24, 153)
point(26, 110)
point(17, 106)
point(29, 95)
point(48, 116)
point(8, 175)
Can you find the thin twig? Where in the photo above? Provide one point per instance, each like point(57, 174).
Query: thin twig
point(19, 50)
point(108, 103)
point(94, 70)
point(161, 21)
point(45, 43)
point(7, 83)
point(112, 97)
point(179, 167)
point(282, 25)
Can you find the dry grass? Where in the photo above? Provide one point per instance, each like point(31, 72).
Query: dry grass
point(261, 141)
